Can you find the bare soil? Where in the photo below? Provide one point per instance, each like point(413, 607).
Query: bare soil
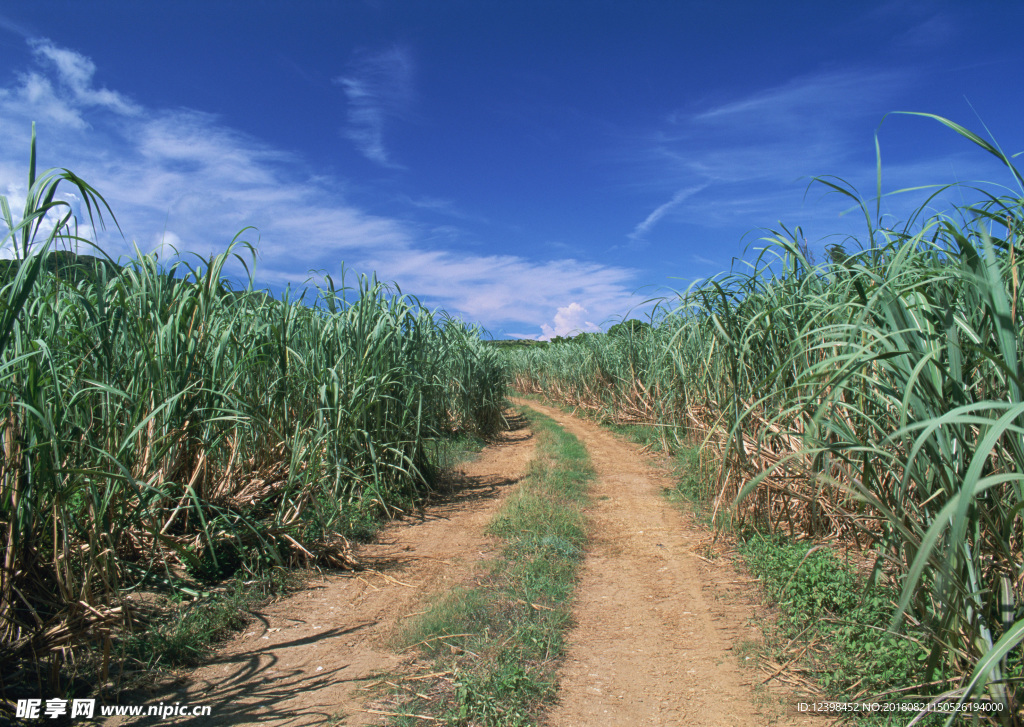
point(304, 659)
point(657, 630)
point(658, 625)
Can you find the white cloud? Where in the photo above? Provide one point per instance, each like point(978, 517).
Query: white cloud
point(651, 220)
point(75, 73)
point(378, 87)
point(59, 90)
point(808, 101)
point(569, 321)
point(812, 124)
point(754, 156)
point(166, 245)
point(506, 289)
point(181, 178)
point(37, 93)
point(751, 157)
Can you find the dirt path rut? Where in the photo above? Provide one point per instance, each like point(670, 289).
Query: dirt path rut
point(656, 624)
point(305, 658)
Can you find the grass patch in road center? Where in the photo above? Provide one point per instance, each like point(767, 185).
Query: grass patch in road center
point(496, 644)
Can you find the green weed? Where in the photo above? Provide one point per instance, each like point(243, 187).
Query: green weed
point(827, 606)
point(500, 638)
point(183, 632)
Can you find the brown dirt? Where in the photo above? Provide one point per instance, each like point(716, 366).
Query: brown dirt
point(305, 658)
point(657, 624)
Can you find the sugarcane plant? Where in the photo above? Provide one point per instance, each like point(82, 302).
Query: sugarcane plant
point(873, 397)
point(164, 427)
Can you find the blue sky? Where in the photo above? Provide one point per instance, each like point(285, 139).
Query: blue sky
point(536, 167)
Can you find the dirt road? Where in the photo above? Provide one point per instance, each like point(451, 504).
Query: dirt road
point(656, 623)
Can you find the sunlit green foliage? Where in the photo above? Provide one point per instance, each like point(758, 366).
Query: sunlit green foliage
point(159, 426)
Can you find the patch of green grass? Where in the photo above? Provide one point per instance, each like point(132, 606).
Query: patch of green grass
point(499, 640)
point(827, 607)
point(505, 693)
point(183, 632)
point(695, 476)
point(361, 521)
point(451, 620)
point(649, 436)
point(449, 452)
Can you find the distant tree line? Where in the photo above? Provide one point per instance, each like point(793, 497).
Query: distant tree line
point(632, 328)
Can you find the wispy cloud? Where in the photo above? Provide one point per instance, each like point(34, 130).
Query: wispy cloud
point(652, 219)
point(379, 87)
point(812, 124)
point(806, 102)
point(62, 94)
point(75, 73)
point(752, 156)
point(182, 179)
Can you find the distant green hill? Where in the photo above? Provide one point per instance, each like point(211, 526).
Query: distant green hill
point(68, 265)
point(504, 343)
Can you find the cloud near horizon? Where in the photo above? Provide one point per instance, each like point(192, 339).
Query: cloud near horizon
point(570, 320)
point(181, 178)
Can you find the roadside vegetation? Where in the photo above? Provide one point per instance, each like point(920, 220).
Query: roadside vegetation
point(163, 430)
point(871, 400)
point(492, 648)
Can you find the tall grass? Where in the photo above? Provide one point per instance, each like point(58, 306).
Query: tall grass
point(875, 396)
point(159, 424)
